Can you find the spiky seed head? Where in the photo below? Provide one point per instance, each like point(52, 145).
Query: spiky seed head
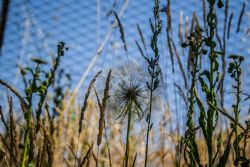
point(130, 94)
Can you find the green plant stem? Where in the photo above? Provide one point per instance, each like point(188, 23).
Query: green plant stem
point(210, 120)
point(190, 133)
point(229, 117)
point(236, 112)
point(26, 137)
point(43, 96)
point(192, 92)
point(149, 118)
point(210, 116)
point(28, 119)
point(127, 138)
point(156, 30)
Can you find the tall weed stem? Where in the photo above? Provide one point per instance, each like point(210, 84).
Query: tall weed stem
point(153, 69)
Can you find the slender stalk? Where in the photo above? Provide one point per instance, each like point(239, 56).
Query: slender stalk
point(236, 113)
point(235, 70)
point(26, 138)
point(106, 138)
point(127, 137)
point(153, 69)
point(149, 121)
point(77, 145)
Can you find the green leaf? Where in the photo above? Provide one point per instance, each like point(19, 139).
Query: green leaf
point(141, 36)
point(218, 147)
point(205, 73)
point(223, 159)
point(142, 53)
point(204, 86)
point(151, 25)
point(202, 118)
point(121, 32)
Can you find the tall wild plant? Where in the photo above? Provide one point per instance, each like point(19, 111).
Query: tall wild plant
point(199, 42)
point(36, 82)
point(153, 66)
point(153, 69)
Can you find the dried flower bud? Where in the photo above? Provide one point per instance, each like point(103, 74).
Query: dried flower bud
point(184, 45)
point(220, 4)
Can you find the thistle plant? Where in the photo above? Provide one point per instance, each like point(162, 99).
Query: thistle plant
point(208, 80)
point(212, 75)
point(209, 124)
point(244, 137)
point(31, 89)
point(129, 98)
point(234, 70)
point(36, 85)
point(195, 43)
point(50, 76)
